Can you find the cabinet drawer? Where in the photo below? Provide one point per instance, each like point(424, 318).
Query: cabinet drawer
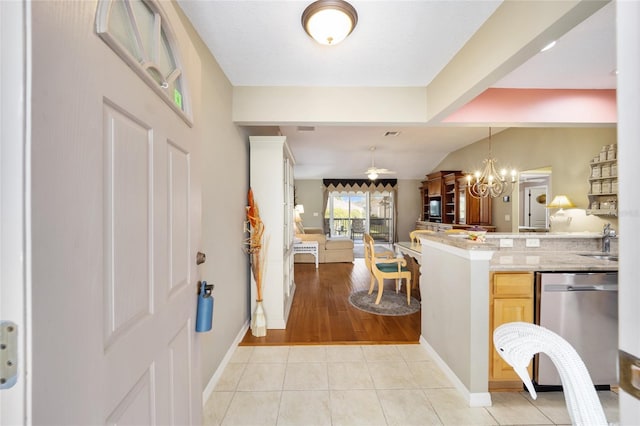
point(516, 284)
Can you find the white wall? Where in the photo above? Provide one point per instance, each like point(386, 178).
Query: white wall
point(309, 194)
point(628, 21)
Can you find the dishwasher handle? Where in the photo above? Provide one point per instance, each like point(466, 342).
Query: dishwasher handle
point(569, 287)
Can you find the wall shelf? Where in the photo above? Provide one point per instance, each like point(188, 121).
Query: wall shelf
point(603, 183)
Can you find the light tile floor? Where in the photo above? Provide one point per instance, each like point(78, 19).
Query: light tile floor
point(363, 385)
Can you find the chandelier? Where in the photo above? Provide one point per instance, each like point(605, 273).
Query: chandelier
point(490, 183)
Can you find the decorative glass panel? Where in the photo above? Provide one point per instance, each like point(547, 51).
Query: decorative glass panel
point(120, 27)
point(145, 20)
point(138, 31)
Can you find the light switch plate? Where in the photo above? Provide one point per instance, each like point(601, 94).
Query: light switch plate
point(506, 242)
point(533, 242)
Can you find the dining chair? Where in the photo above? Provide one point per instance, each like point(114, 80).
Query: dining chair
point(415, 235)
point(385, 266)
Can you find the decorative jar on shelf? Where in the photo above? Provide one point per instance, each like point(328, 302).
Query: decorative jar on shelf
point(596, 187)
point(606, 186)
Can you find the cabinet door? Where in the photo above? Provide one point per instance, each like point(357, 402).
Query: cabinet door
point(462, 206)
point(504, 311)
point(435, 187)
point(424, 200)
point(478, 210)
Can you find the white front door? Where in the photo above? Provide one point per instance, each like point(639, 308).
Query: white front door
point(115, 232)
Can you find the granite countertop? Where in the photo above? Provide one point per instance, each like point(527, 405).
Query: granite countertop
point(531, 259)
point(549, 261)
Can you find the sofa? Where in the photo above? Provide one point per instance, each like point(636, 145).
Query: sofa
point(330, 250)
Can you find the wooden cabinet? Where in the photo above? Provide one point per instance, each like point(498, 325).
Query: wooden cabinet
point(431, 196)
point(473, 211)
point(445, 198)
point(271, 177)
point(450, 210)
point(511, 299)
point(434, 185)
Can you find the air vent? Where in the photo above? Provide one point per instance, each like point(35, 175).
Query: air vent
point(306, 128)
point(394, 133)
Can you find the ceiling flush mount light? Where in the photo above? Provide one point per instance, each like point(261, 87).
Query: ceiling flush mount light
point(490, 183)
point(329, 21)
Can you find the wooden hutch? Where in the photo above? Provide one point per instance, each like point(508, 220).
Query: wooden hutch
point(445, 198)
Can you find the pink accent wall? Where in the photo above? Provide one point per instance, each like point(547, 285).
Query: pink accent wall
point(539, 106)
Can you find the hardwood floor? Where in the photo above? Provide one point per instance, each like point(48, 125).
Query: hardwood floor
point(321, 312)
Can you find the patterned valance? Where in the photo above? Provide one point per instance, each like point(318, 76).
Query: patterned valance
point(360, 185)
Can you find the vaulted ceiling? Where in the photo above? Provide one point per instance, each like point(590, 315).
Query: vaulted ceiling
point(438, 54)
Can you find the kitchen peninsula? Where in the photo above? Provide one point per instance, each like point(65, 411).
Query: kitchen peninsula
point(455, 285)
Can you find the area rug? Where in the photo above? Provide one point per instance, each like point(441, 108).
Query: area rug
point(358, 249)
point(391, 304)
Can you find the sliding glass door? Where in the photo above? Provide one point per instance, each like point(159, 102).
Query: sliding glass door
point(381, 216)
point(352, 214)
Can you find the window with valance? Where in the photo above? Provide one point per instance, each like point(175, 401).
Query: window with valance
point(379, 186)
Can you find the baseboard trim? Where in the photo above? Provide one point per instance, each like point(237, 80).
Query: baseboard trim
point(211, 385)
point(474, 399)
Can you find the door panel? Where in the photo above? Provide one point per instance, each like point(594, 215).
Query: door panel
point(180, 388)
point(137, 407)
point(128, 192)
point(179, 172)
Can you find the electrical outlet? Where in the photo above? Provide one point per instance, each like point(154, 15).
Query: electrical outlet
point(506, 242)
point(315, 214)
point(533, 242)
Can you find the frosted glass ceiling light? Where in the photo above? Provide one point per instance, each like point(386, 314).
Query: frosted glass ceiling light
point(329, 21)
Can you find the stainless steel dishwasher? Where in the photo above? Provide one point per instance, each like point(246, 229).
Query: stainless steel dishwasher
point(582, 307)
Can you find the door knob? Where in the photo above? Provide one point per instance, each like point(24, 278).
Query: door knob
point(200, 258)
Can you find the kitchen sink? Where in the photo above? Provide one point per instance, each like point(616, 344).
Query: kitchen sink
point(601, 256)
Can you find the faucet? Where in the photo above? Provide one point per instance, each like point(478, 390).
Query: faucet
point(606, 238)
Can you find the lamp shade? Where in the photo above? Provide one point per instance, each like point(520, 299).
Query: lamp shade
point(329, 21)
point(560, 202)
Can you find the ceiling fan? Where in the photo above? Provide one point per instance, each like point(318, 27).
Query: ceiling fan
point(373, 172)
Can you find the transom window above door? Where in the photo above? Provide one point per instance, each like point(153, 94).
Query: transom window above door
point(139, 32)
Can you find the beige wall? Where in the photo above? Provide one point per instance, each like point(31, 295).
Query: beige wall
point(309, 194)
point(567, 150)
point(225, 180)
